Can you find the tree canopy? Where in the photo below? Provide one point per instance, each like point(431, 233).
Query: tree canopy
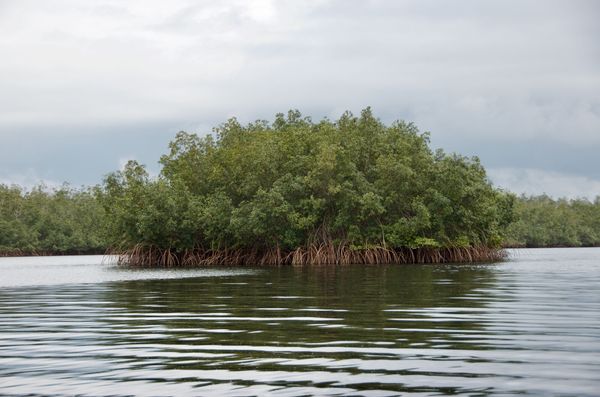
point(291, 183)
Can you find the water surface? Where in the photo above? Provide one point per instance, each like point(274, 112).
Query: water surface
point(77, 326)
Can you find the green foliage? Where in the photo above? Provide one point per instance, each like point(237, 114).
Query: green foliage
point(63, 220)
point(295, 182)
point(542, 222)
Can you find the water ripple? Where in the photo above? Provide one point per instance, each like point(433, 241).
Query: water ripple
point(527, 327)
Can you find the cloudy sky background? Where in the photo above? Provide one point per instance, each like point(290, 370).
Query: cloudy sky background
point(84, 86)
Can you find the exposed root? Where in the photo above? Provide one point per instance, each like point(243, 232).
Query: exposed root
point(315, 254)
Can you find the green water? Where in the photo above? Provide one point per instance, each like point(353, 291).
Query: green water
point(530, 326)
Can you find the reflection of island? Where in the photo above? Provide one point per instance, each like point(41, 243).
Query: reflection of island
point(308, 316)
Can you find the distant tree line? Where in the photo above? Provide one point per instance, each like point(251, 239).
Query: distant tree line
point(67, 220)
point(51, 221)
point(541, 221)
point(294, 191)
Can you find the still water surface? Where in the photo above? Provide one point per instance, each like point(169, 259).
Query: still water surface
point(77, 326)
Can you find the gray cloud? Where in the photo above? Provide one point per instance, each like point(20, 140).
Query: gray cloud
point(535, 181)
point(488, 78)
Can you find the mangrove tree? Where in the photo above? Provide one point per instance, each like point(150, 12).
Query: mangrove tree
point(296, 191)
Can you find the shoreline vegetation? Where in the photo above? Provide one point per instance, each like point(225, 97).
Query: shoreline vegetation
point(312, 255)
point(294, 192)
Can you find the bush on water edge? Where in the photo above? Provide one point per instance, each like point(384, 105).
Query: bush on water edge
point(269, 192)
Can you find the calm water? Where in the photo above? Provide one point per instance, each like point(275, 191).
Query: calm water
point(76, 326)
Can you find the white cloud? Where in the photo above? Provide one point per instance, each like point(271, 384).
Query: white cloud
point(28, 180)
point(535, 182)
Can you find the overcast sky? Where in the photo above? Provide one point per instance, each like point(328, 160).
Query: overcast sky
point(86, 85)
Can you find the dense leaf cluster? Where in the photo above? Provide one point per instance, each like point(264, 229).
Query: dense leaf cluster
point(354, 182)
point(543, 222)
point(44, 221)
